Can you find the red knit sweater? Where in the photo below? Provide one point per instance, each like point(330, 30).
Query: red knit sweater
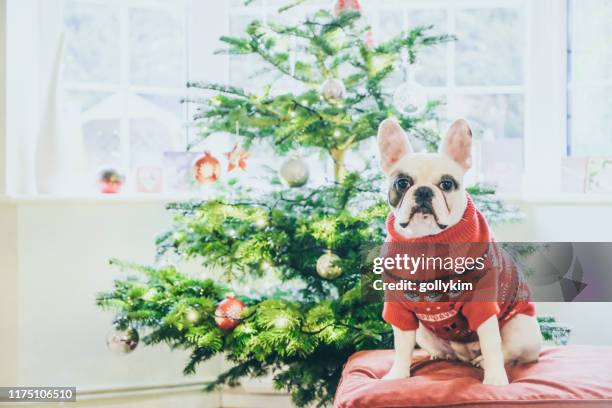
point(458, 320)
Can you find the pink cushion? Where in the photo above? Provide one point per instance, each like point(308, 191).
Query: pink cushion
point(570, 376)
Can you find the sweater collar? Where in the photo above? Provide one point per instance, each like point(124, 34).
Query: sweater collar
point(471, 228)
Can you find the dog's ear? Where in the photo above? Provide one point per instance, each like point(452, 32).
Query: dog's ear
point(392, 144)
point(457, 143)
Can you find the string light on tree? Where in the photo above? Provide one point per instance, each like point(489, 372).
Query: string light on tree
point(192, 315)
point(261, 222)
point(281, 322)
point(149, 294)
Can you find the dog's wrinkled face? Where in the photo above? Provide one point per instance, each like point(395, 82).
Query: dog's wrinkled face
point(426, 191)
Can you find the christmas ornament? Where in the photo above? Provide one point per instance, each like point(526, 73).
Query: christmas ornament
point(206, 169)
point(333, 90)
point(228, 312)
point(237, 158)
point(122, 341)
point(369, 39)
point(294, 172)
point(346, 5)
point(110, 181)
point(410, 98)
point(326, 267)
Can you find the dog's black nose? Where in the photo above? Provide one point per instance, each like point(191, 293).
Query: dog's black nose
point(423, 194)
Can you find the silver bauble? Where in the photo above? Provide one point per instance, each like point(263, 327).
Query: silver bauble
point(326, 266)
point(294, 172)
point(333, 90)
point(410, 98)
point(122, 341)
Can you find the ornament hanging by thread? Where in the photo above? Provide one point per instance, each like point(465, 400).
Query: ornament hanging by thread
point(237, 158)
point(333, 90)
point(207, 169)
point(228, 313)
point(110, 181)
point(346, 5)
point(369, 39)
point(294, 172)
point(327, 267)
point(410, 98)
point(122, 341)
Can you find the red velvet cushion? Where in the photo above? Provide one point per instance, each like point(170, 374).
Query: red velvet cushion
point(571, 376)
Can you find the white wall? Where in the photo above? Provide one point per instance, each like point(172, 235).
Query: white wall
point(53, 258)
point(578, 221)
point(62, 249)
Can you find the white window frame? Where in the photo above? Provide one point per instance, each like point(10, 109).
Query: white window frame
point(123, 88)
point(545, 87)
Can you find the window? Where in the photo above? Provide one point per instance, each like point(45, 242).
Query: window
point(479, 77)
point(125, 64)
point(124, 75)
point(590, 78)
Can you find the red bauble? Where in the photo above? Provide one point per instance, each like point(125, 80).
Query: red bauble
point(237, 158)
point(369, 39)
point(346, 5)
point(228, 313)
point(110, 181)
point(207, 169)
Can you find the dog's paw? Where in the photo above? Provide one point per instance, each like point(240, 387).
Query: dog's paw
point(397, 373)
point(440, 356)
point(477, 362)
point(497, 379)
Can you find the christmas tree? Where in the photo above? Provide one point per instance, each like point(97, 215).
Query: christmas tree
point(309, 239)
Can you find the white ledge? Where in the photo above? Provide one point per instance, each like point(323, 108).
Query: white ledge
point(555, 198)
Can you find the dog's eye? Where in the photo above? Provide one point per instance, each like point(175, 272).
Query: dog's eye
point(402, 184)
point(446, 185)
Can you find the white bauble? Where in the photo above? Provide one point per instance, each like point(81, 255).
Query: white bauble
point(410, 98)
point(333, 90)
point(122, 341)
point(326, 266)
point(294, 172)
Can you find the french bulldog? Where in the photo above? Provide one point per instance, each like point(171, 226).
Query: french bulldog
point(427, 196)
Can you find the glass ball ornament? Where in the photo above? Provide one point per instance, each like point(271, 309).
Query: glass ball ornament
point(410, 98)
point(294, 172)
point(228, 313)
point(122, 341)
point(333, 90)
point(327, 267)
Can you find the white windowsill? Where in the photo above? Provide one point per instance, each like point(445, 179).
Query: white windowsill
point(557, 198)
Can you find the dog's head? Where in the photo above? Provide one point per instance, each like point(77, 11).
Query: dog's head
point(426, 191)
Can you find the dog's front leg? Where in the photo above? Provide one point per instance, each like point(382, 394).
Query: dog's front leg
point(404, 342)
point(492, 355)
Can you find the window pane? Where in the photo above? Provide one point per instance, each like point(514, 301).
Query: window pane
point(431, 64)
point(591, 39)
point(497, 123)
point(490, 47)
point(591, 121)
point(157, 48)
point(391, 23)
point(590, 91)
point(102, 144)
point(92, 38)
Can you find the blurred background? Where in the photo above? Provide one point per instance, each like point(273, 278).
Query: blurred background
point(95, 87)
